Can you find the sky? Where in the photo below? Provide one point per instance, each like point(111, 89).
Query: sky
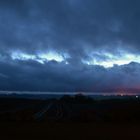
point(70, 45)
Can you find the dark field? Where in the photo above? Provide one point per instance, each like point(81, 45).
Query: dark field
point(69, 118)
point(64, 131)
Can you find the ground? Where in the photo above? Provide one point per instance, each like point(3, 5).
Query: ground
point(68, 131)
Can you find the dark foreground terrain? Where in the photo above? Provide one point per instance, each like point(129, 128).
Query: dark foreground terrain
point(69, 131)
point(76, 117)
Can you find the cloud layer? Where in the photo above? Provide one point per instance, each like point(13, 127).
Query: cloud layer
point(67, 45)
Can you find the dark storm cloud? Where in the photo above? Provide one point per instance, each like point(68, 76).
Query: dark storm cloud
point(77, 27)
point(53, 76)
point(70, 25)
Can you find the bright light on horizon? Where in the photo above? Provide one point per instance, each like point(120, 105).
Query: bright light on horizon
point(109, 61)
point(22, 56)
point(51, 56)
point(40, 57)
point(114, 60)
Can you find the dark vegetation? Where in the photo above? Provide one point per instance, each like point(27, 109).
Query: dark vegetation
point(70, 117)
point(76, 108)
